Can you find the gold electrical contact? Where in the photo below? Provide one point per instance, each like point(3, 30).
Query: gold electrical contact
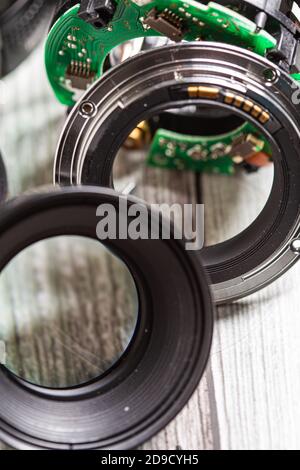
point(248, 106)
point(230, 98)
point(139, 137)
point(204, 92)
point(193, 91)
point(264, 117)
point(239, 100)
point(256, 111)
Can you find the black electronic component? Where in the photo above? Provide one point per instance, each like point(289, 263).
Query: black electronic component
point(97, 12)
point(166, 23)
point(80, 75)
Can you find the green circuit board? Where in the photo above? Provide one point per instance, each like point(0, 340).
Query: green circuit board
point(76, 50)
point(217, 154)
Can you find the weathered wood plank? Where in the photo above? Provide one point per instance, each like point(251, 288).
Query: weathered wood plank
point(255, 355)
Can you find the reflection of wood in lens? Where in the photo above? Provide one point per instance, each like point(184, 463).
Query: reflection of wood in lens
point(72, 313)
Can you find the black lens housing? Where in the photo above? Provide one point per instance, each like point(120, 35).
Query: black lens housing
point(23, 24)
point(167, 355)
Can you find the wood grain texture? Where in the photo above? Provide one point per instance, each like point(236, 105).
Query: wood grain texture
point(248, 398)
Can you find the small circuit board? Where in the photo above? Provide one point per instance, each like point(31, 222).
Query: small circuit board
point(219, 154)
point(77, 46)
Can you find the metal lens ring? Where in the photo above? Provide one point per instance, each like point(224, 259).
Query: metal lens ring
point(205, 74)
point(164, 362)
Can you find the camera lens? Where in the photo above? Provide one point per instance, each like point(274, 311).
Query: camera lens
point(153, 379)
point(211, 75)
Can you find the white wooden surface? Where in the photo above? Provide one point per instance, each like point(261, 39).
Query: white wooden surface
point(249, 396)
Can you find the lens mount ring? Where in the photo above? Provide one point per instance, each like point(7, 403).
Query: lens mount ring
point(165, 78)
point(164, 362)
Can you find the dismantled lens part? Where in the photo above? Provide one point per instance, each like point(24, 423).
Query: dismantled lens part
point(23, 24)
point(269, 29)
point(211, 75)
point(165, 360)
point(281, 19)
point(206, 141)
point(83, 37)
point(200, 140)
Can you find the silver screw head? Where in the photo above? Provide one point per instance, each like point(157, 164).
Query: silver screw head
point(88, 109)
point(295, 246)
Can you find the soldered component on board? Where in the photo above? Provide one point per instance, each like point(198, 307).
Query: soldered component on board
point(245, 146)
point(219, 154)
point(166, 23)
point(80, 75)
point(100, 26)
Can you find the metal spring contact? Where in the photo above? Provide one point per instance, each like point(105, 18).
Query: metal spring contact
point(174, 19)
point(79, 69)
point(237, 101)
